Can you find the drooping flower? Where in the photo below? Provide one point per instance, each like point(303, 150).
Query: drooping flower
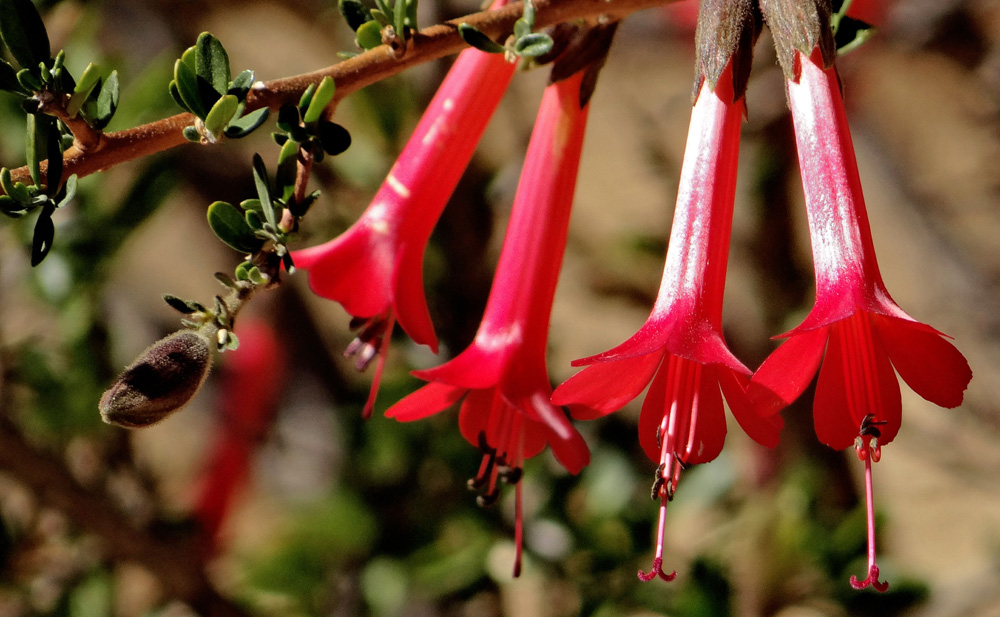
point(855, 323)
point(375, 268)
point(502, 375)
point(680, 351)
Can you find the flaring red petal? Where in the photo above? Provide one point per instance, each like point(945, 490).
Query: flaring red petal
point(765, 430)
point(425, 402)
point(928, 363)
point(787, 372)
point(606, 387)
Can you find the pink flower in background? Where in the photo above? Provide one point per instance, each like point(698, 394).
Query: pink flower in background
point(375, 268)
point(680, 351)
point(854, 322)
point(502, 376)
point(249, 386)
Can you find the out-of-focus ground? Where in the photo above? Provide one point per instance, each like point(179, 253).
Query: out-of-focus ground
point(924, 104)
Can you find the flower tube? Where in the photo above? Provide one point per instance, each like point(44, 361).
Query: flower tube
point(502, 375)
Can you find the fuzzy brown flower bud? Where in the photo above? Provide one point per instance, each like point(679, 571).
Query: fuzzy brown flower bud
point(164, 378)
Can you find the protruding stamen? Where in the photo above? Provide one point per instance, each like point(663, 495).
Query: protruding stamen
point(868, 451)
point(657, 569)
point(510, 475)
point(488, 499)
point(518, 530)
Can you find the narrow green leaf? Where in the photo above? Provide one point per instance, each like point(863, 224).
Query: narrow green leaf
point(324, 94)
point(230, 226)
point(179, 305)
point(252, 204)
point(187, 88)
point(240, 86)
point(28, 80)
point(53, 176)
point(533, 45)
point(107, 101)
point(68, 191)
point(212, 62)
point(260, 179)
point(244, 125)
point(10, 207)
point(41, 240)
point(382, 17)
point(23, 31)
point(399, 18)
point(8, 79)
point(36, 140)
point(411, 14)
point(88, 81)
point(220, 114)
point(382, 7)
point(176, 95)
point(480, 41)
point(521, 28)
point(369, 35)
point(529, 14)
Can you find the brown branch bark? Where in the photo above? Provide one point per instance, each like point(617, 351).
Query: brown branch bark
point(176, 562)
point(350, 75)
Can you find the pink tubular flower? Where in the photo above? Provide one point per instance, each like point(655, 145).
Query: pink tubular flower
point(502, 375)
point(375, 268)
point(862, 331)
point(680, 351)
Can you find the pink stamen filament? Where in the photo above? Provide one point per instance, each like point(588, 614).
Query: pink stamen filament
point(873, 571)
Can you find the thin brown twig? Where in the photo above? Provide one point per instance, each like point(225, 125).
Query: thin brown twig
point(350, 75)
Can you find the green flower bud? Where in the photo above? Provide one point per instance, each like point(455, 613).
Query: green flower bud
point(163, 379)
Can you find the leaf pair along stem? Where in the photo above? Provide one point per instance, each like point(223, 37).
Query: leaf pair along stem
point(350, 75)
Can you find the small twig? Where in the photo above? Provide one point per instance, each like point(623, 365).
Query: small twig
point(85, 137)
point(350, 75)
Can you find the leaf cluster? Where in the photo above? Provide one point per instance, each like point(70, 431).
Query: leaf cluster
point(204, 86)
point(384, 24)
point(523, 43)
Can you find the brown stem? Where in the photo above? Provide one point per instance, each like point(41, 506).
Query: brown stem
point(350, 75)
point(176, 561)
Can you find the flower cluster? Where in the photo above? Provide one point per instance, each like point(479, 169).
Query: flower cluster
point(679, 356)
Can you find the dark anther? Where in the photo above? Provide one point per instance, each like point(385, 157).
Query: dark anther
point(476, 483)
point(484, 445)
point(869, 426)
point(488, 499)
point(659, 439)
point(680, 461)
point(510, 475)
point(658, 481)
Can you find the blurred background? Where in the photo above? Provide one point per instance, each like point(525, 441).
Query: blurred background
point(268, 495)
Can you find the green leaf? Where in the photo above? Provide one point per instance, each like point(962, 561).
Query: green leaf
point(221, 113)
point(53, 176)
point(354, 13)
point(480, 41)
point(8, 79)
point(230, 226)
point(529, 14)
point(10, 207)
point(521, 28)
point(411, 14)
point(36, 140)
point(41, 240)
point(212, 62)
point(252, 204)
point(324, 94)
point(187, 88)
point(244, 125)
point(533, 45)
point(179, 305)
point(191, 134)
point(335, 138)
point(28, 80)
point(240, 86)
point(369, 35)
point(68, 191)
point(88, 81)
point(263, 189)
point(107, 102)
point(399, 19)
point(23, 31)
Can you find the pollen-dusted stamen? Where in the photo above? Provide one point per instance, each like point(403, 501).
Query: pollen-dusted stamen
point(868, 450)
point(510, 475)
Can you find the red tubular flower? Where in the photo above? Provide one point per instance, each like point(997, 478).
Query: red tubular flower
point(502, 376)
point(862, 331)
point(680, 350)
point(375, 268)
